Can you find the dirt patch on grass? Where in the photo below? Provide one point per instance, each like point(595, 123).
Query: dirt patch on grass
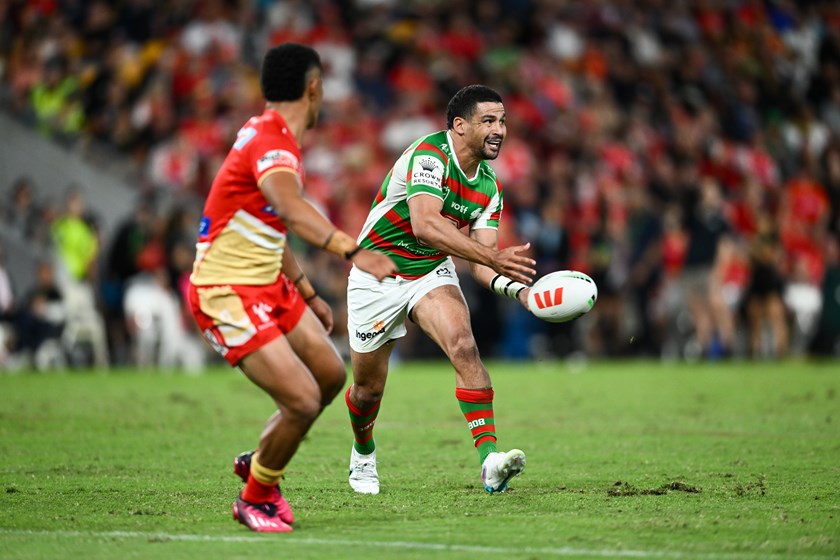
point(626, 489)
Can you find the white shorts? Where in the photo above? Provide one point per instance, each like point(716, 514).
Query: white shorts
point(376, 311)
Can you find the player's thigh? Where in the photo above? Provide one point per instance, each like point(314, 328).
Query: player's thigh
point(276, 369)
point(442, 313)
point(376, 311)
point(316, 350)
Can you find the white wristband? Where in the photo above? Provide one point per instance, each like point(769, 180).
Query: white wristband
point(504, 286)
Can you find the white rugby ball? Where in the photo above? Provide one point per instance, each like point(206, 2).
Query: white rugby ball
point(562, 296)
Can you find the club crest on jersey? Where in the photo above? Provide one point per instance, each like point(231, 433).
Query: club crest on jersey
point(277, 158)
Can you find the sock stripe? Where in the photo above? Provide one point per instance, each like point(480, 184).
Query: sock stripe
point(489, 438)
point(482, 430)
point(477, 408)
point(362, 422)
point(474, 414)
point(264, 475)
point(475, 396)
point(372, 411)
point(364, 439)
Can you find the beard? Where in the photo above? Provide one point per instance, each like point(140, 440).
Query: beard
point(489, 152)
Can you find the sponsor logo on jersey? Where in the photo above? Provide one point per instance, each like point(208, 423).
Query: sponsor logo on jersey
point(417, 250)
point(262, 310)
point(475, 213)
point(427, 163)
point(427, 171)
point(378, 328)
point(277, 158)
point(204, 226)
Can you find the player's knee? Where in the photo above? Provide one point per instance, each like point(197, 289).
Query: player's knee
point(368, 394)
point(462, 349)
point(304, 408)
point(332, 384)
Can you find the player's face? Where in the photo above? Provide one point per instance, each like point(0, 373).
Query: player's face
point(487, 130)
point(316, 97)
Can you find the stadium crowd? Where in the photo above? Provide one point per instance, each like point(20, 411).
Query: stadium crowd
point(685, 154)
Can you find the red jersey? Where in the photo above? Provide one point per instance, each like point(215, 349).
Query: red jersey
point(241, 239)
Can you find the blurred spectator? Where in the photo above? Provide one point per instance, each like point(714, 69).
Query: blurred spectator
point(702, 276)
point(607, 265)
point(75, 239)
point(55, 101)
point(23, 214)
point(763, 300)
point(804, 299)
point(38, 321)
point(7, 296)
point(6, 308)
point(77, 249)
point(826, 340)
point(645, 232)
point(160, 335)
point(120, 265)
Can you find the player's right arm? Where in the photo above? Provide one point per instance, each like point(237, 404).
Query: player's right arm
point(282, 189)
point(432, 229)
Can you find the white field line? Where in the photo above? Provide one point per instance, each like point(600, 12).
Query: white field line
point(564, 551)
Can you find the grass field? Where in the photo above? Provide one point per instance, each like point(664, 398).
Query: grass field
point(625, 460)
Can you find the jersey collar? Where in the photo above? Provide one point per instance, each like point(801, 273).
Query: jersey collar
point(455, 159)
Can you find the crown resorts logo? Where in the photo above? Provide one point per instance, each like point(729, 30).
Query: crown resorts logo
point(427, 164)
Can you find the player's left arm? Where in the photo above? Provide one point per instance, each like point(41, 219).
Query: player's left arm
point(316, 303)
point(489, 278)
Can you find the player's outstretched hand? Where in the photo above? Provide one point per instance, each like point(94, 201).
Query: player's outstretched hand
point(508, 262)
point(374, 263)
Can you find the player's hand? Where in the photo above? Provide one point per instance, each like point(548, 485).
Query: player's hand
point(323, 311)
point(508, 262)
point(378, 264)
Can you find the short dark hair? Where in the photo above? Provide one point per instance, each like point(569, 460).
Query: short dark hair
point(284, 71)
point(464, 102)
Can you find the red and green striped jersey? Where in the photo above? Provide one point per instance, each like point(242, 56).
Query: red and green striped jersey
point(429, 167)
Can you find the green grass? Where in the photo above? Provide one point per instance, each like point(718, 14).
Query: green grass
point(625, 460)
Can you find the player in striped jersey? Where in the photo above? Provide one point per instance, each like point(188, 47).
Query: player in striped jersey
point(248, 294)
point(440, 185)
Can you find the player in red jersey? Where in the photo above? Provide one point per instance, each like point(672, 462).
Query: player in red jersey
point(248, 294)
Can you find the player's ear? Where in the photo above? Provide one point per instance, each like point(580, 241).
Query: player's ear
point(314, 85)
point(458, 125)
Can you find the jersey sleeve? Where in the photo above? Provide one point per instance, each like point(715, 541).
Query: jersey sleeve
point(489, 218)
point(270, 154)
point(426, 171)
